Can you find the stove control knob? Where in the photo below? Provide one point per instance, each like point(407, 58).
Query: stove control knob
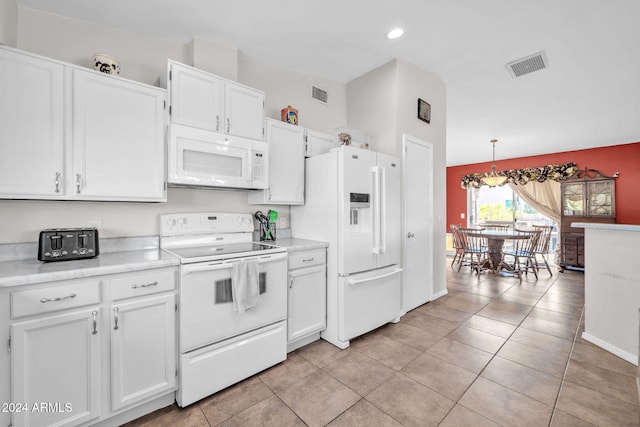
point(55, 253)
point(82, 251)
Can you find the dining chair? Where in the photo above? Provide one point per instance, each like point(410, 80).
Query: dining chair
point(458, 248)
point(477, 248)
point(542, 248)
point(522, 256)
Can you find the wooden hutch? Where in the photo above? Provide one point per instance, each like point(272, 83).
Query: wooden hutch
point(588, 196)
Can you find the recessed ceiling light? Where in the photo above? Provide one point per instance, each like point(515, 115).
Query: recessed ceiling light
point(395, 33)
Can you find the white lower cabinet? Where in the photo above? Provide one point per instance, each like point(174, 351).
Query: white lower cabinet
point(307, 306)
point(55, 364)
point(77, 342)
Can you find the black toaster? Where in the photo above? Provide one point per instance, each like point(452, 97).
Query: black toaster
point(63, 244)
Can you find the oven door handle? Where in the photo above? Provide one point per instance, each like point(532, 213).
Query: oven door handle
point(188, 269)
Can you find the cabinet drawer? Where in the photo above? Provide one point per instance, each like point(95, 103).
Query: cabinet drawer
point(307, 258)
point(144, 283)
point(570, 240)
point(570, 249)
point(54, 298)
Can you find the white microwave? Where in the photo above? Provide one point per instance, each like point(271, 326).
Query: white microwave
point(202, 158)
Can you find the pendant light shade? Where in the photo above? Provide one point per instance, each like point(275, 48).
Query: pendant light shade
point(493, 179)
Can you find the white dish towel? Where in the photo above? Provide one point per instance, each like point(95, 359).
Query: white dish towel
point(245, 285)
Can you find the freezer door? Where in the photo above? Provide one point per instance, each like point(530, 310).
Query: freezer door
point(356, 190)
point(368, 300)
point(390, 225)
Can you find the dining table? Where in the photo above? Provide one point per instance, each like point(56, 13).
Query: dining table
point(495, 243)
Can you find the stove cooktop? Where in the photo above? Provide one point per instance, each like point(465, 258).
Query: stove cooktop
point(214, 253)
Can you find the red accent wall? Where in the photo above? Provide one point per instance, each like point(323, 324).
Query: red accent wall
point(608, 160)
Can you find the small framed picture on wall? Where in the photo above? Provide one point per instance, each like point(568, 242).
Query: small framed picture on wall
point(424, 110)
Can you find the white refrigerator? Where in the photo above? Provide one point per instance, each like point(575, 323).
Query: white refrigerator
point(352, 201)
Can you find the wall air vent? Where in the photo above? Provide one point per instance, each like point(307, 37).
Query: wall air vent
point(528, 64)
point(319, 95)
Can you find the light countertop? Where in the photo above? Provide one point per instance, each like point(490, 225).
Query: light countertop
point(293, 244)
point(30, 271)
point(618, 227)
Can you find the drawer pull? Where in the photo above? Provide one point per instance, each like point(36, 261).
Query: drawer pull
point(145, 285)
point(308, 259)
point(95, 322)
point(43, 300)
point(115, 319)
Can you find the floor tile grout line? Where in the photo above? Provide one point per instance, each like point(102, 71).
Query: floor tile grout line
point(566, 369)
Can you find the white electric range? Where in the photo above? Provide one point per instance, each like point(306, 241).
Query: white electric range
point(218, 344)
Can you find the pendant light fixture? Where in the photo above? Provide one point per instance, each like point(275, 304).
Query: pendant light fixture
point(493, 179)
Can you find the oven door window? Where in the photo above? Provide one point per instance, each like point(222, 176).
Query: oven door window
point(224, 292)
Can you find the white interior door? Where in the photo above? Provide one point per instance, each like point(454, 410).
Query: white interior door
point(418, 222)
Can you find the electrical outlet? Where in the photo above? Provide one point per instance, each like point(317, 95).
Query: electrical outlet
point(283, 222)
point(462, 215)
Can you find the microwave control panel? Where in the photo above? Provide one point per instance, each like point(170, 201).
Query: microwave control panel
point(258, 165)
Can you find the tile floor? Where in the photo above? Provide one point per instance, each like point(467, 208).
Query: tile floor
point(491, 352)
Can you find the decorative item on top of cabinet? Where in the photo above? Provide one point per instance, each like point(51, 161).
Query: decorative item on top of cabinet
point(286, 166)
point(289, 115)
point(307, 305)
point(588, 196)
point(113, 123)
point(106, 63)
point(206, 101)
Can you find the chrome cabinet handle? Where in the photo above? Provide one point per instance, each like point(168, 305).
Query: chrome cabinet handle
point(58, 182)
point(71, 295)
point(290, 282)
point(217, 123)
point(145, 285)
point(78, 182)
point(410, 235)
point(115, 319)
point(269, 193)
point(308, 260)
point(94, 314)
point(228, 125)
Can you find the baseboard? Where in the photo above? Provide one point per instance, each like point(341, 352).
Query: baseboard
point(631, 358)
point(439, 294)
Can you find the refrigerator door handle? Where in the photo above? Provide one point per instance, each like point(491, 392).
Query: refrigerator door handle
point(376, 209)
point(382, 239)
point(371, 279)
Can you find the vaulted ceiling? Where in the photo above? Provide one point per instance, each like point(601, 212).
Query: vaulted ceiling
point(588, 96)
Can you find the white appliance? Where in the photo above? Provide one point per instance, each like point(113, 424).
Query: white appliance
point(218, 345)
point(202, 158)
point(352, 200)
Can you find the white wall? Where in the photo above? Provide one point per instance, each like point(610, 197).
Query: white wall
point(8, 22)
point(284, 87)
point(143, 59)
point(384, 102)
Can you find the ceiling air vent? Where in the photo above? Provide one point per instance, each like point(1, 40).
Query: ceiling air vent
point(528, 64)
point(319, 95)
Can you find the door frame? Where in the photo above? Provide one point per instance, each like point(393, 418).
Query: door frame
point(409, 139)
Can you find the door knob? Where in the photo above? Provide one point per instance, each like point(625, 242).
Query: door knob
point(410, 235)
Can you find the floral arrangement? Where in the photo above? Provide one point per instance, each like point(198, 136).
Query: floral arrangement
point(524, 175)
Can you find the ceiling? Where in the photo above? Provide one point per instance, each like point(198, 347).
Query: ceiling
point(589, 95)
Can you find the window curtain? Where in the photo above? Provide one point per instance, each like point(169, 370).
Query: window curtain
point(525, 175)
point(542, 196)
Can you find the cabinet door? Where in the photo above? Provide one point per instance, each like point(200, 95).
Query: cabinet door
point(142, 349)
point(307, 302)
point(573, 199)
point(56, 361)
point(244, 111)
point(197, 98)
point(31, 126)
point(286, 166)
point(118, 139)
point(601, 198)
point(319, 142)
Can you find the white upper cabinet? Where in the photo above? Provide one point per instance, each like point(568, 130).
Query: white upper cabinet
point(31, 126)
point(68, 133)
point(206, 101)
point(118, 133)
point(286, 165)
point(319, 142)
